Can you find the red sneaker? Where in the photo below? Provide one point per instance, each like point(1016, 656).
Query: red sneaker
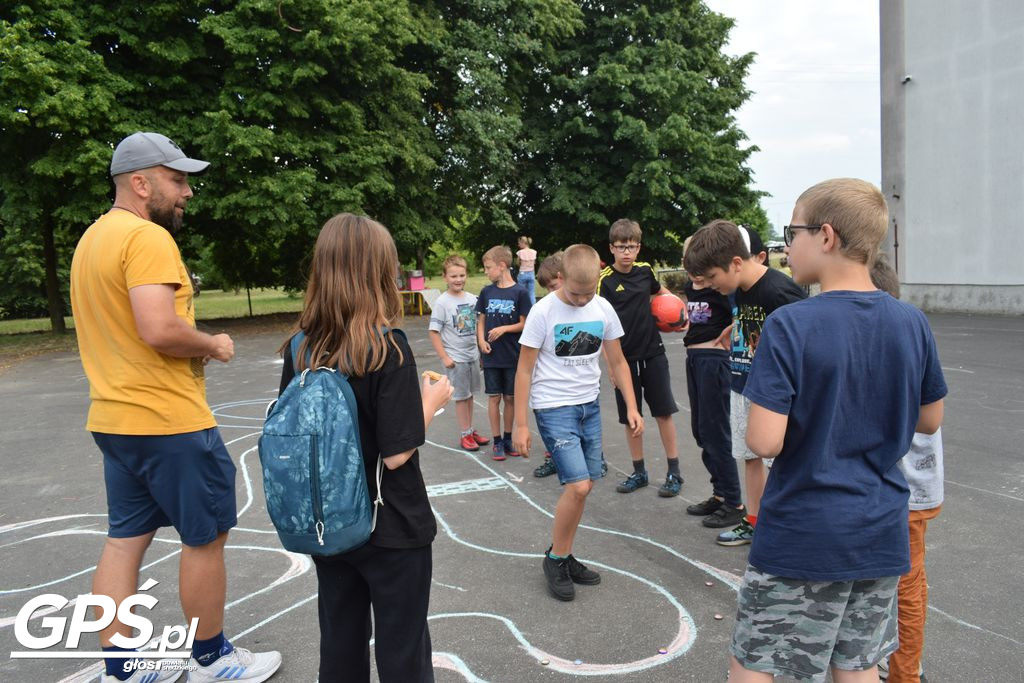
point(482, 441)
point(468, 443)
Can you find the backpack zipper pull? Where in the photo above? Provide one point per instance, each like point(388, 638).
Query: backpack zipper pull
point(320, 532)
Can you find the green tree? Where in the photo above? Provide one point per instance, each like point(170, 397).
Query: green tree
point(480, 62)
point(634, 117)
point(314, 116)
point(58, 103)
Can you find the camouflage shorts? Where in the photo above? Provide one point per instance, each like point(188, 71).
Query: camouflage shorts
point(800, 628)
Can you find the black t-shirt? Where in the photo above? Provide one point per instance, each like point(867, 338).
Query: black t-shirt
point(708, 312)
point(391, 422)
point(774, 290)
point(630, 296)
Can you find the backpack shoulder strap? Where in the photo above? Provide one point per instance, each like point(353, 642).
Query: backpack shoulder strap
point(294, 347)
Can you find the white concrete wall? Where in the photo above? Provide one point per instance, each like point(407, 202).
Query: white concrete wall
point(953, 150)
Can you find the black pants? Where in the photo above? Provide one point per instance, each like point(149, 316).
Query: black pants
point(396, 583)
point(707, 382)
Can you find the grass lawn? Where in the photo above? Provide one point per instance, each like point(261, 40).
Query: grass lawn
point(274, 310)
point(474, 282)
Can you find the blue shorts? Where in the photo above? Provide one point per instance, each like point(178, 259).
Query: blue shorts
point(500, 381)
point(182, 480)
point(572, 434)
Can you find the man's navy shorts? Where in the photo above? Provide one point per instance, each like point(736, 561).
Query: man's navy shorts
point(182, 480)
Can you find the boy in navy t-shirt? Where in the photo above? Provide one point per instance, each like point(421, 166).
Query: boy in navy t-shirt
point(838, 387)
point(501, 311)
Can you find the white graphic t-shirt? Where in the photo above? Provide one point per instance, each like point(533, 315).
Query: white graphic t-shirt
point(568, 369)
point(922, 466)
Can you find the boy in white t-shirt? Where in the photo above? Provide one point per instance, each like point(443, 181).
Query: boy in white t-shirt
point(560, 373)
point(453, 335)
point(923, 469)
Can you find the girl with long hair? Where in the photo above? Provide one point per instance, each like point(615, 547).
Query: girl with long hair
point(349, 319)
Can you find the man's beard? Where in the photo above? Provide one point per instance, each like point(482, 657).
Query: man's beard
point(165, 216)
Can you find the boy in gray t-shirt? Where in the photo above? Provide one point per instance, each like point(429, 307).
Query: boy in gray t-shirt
point(453, 334)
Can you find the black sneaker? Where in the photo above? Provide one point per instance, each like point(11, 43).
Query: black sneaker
point(724, 516)
point(579, 573)
point(545, 469)
point(559, 581)
point(704, 508)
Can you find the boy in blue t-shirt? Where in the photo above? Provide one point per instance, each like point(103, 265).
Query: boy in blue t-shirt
point(501, 311)
point(839, 385)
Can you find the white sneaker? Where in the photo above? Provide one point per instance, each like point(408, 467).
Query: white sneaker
point(238, 665)
point(146, 676)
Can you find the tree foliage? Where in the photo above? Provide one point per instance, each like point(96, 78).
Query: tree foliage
point(57, 107)
point(451, 121)
point(637, 121)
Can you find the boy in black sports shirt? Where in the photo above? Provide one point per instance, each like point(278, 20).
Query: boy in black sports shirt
point(721, 253)
point(628, 286)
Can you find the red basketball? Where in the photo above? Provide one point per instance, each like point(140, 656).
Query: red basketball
point(669, 312)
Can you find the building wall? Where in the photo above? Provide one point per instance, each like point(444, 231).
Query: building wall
point(953, 151)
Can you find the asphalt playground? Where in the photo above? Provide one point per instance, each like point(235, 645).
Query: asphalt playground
point(665, 608)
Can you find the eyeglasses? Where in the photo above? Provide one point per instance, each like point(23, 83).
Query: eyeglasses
point(625, 248)
point(787, 231)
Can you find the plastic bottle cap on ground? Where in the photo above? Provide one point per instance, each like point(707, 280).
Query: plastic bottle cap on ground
point(544, 662)
point(719, 616)
point(578, 661)
point(709, 583)
point(662, 651)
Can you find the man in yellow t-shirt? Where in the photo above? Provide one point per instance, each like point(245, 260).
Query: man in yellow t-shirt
point(164, 462)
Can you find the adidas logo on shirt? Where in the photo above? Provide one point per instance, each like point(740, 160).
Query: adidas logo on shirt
point(620, 288)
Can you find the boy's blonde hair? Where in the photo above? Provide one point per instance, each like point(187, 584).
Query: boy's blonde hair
point(714, 246)
point(499, 254)
point(581, 263)
point(549, 269)
point(884, 275)
point(453, 260)
point(624, 230)
point(855, 208)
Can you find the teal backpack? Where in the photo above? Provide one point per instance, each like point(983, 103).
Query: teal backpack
point(313, 474)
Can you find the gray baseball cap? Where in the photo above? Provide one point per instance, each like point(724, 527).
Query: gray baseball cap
point(145, 150)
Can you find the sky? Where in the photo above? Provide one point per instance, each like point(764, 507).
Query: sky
point(815, 109)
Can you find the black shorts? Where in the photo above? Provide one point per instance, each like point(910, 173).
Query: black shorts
point(651, 383)
point(500, 381)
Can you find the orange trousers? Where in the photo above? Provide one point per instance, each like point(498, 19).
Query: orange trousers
point(904, 664)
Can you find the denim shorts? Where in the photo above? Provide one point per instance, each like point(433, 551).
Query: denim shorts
point(500, 381)
point(573, 436)
point(800, 628)
point(182, 480)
